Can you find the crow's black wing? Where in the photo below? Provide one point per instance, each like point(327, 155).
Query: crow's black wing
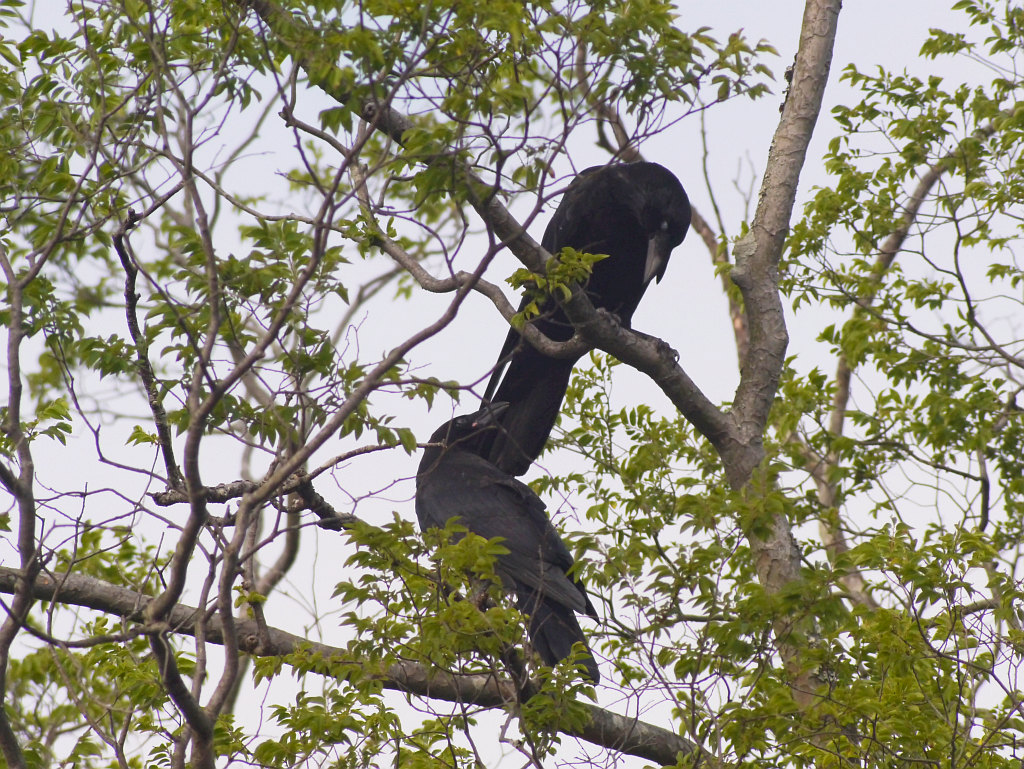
point(491, 504)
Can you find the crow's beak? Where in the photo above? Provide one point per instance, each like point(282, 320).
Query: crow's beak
point(490, 414)
point(658, 250)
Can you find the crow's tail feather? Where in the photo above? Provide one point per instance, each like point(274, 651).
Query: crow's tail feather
point(553, 631)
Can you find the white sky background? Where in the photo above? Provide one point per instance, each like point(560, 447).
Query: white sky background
point(686, 309)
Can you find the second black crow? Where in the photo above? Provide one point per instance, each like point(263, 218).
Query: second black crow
point(453, 481)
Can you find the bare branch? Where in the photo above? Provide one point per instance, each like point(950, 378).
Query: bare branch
point(821, 468)
point(887, 253)
point(568, 349)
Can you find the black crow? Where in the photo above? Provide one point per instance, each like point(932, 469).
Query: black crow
point(453, 481)
point(636, 214)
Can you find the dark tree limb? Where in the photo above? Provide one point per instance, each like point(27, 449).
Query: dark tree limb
point(142, 364)
point(604, 728)
point(199, 722)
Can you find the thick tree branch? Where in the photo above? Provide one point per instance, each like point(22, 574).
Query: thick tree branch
point(757, 255)
point(757, 258)
point(604, 728)
point(738, 436)
point(655, 358)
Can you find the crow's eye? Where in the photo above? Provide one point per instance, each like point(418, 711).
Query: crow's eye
point(664, 225)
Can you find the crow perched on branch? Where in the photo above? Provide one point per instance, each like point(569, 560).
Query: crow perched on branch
point(453, 481)
point(636, 214)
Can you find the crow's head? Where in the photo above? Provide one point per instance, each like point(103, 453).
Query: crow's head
point(663, 209)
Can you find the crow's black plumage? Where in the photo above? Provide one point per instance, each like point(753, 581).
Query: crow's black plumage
point(636, 213)
point(453, 481)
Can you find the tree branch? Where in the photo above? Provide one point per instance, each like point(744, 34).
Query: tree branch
point(143, 366)
point(604, 728)
point(571, 348)
point(757, 255)
point(23, 489)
